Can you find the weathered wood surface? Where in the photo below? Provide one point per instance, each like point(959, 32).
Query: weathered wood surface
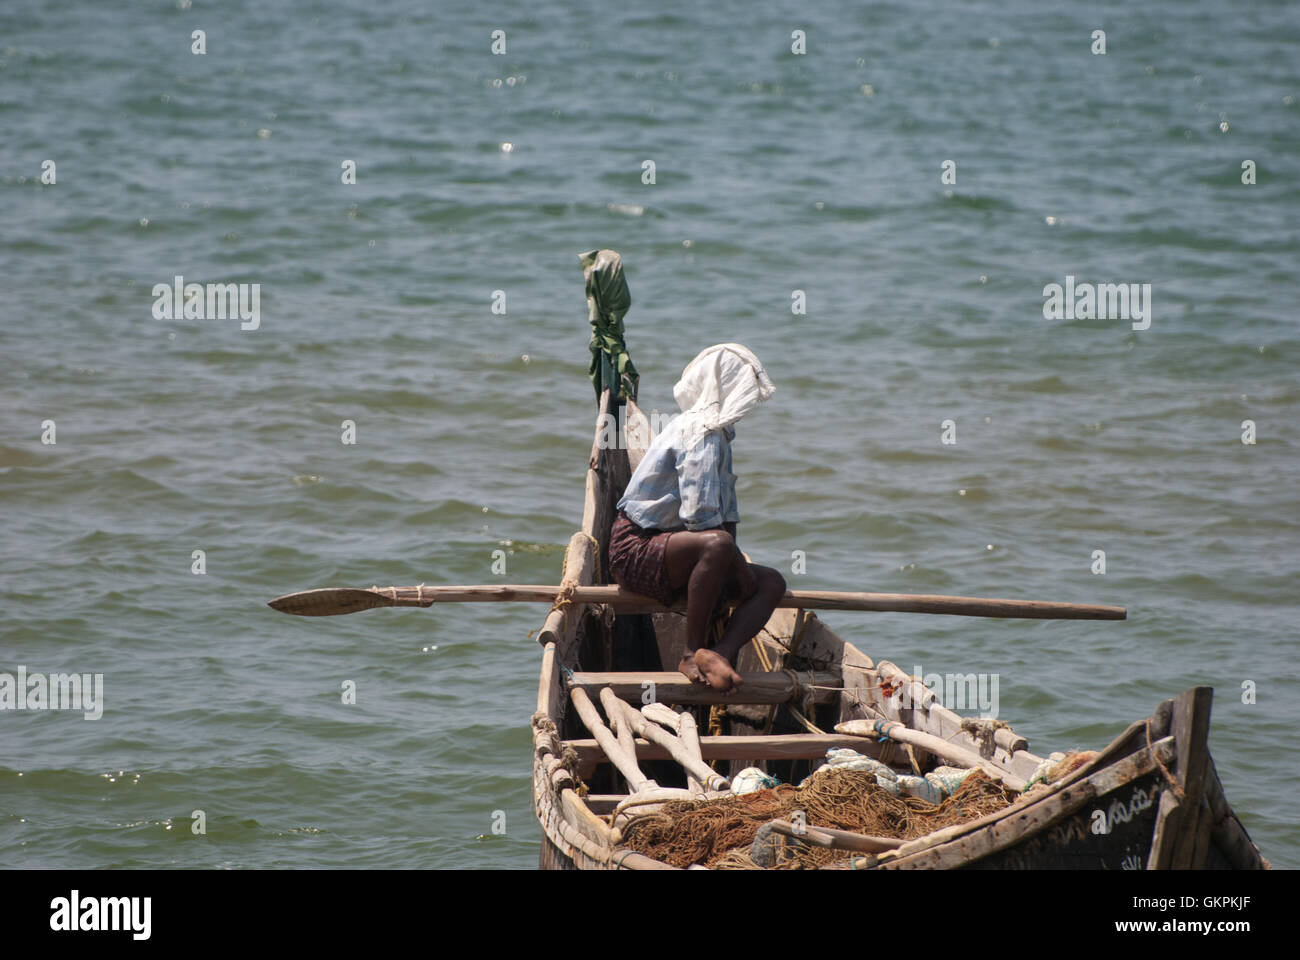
point(956, 756)
point(797, 746)
point(636, 434)
point(1177, 820)
point(629, 860)
point(683, 724)
point(1074, 842)
point(314, 603)
point(607, 743)
point(566, 845)
point(576, 813)
point(1191, 730)
point(561, 625)
point(623, 730)
point(831, 838)
point(673, 687)
point(965, 843)
point(663, 714)
point(1226, 830)
point(606, 479)
point(919, 708)
point(654, 733)
point(550, 693)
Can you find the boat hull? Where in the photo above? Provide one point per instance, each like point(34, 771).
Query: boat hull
point(1150, 800)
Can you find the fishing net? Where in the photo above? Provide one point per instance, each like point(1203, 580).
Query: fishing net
point(718, 833)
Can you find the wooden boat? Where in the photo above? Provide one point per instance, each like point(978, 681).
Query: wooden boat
point(1151, 799)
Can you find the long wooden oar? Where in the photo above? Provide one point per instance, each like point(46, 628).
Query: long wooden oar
point(332, 601)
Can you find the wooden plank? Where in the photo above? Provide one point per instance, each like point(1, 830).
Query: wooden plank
point(673, 687)
point(1133, 738)
point(603, 804)
point(794, 746)
point(1226, 830)
point(1020, 823)
point(636, 433)
point(858, 675)
point(1174, 840)
point(960, 829)
point(606, 479)
point(1162, 837)
point(1190, 726)
point(1202, 846)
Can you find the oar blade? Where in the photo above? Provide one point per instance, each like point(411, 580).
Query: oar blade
point(329, 602)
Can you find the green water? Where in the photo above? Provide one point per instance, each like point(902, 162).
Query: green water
point(775, 172)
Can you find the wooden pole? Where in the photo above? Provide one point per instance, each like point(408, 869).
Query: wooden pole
point(656, 734)
point(626, 765)
point(331, 601)
point(689, 734)
point(683, 724)
point(894, 730)
point(832, 838)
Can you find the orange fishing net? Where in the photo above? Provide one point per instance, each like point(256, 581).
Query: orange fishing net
point(706, 832)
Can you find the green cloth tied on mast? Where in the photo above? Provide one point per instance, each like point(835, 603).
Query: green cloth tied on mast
point(608, 300)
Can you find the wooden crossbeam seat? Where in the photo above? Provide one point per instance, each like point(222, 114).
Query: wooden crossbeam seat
point(796, 746)
point(671, 687)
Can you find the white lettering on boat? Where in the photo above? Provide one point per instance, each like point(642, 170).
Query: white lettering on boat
point(1119, 811)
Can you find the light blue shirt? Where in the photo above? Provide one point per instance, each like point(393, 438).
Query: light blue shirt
point(676, 489)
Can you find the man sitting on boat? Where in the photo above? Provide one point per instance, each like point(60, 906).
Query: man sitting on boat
point(676, 524)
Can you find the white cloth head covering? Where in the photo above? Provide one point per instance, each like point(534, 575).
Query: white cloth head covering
point(722, 384)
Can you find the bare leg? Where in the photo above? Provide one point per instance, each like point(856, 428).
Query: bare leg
point(702, 561)
point(718, 664)
point(752, 613)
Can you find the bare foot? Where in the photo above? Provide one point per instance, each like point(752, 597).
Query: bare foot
point(688, 667)
point(718, 673)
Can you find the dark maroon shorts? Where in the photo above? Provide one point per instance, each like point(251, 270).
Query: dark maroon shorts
point(638, 559)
